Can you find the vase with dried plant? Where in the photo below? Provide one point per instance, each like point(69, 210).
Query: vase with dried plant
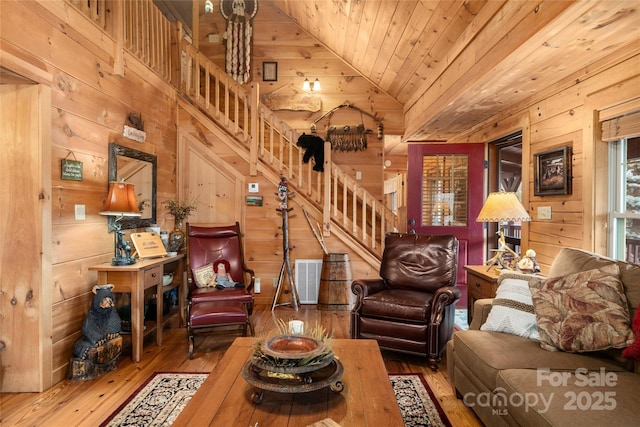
point(180, 211)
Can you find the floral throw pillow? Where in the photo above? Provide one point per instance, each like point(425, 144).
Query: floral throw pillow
point(203, 275)
point(512, 308)
point(581, 312)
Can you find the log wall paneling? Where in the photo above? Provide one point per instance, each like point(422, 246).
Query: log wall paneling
point(25, 294)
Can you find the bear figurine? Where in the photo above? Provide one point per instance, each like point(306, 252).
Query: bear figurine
point(101, 324)
point(314, 147)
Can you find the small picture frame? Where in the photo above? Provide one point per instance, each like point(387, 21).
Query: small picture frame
point(269, 71)
point(552, 172)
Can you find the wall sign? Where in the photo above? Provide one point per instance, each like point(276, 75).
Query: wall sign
point(71, 170)
point(135, 134)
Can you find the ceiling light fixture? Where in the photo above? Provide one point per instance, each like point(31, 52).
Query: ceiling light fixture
point(208, 6)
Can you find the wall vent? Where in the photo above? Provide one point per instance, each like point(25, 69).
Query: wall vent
point(307, 279)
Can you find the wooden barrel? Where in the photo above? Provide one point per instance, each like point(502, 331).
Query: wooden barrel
point(335, 283)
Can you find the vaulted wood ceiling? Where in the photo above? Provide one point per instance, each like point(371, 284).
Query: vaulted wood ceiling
point(453, 64)
point(456, 63)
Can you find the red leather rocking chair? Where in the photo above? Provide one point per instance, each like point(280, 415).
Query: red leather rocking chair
point(214, 307)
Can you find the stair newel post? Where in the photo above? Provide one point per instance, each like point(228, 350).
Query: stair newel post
point(254, 136)
point(284, 194)
point(326, 199)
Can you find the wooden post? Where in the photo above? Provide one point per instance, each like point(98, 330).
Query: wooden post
point(254, 136)
point(118, 48)
point(326, 204)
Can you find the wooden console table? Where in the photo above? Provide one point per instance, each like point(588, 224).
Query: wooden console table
point(224, 399)
point(135, 279)
point(481, 283)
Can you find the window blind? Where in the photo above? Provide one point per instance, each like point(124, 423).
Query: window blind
point(626, 126)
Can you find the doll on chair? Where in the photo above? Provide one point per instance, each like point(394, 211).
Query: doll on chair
point(222, 277)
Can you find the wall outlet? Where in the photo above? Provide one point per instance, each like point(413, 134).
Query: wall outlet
point(358, 175)
point(80, 212)
point(256, 285)
point(275, 282)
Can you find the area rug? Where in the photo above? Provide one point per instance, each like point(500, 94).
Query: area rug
point(418, 404)
point(159, 401)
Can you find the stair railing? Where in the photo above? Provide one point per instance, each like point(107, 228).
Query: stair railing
point(139, 28)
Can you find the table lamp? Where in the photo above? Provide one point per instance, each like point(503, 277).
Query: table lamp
point(120, 202)
point(499, 207)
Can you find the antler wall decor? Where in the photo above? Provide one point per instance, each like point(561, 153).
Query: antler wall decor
point(348, 137)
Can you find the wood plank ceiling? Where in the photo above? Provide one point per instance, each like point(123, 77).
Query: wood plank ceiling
point(453, 64)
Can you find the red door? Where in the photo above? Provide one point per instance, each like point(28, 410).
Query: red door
point(444, 196)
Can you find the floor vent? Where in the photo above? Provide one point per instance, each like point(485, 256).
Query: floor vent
point(307, 279)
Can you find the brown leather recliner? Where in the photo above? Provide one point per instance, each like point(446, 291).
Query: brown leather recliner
point(411, 308)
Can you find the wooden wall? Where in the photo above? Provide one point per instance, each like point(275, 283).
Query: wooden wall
point(89, 105)
point(568, 114)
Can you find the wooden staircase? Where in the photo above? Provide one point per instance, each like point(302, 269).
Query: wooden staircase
point(267, 143)
point(349, 211)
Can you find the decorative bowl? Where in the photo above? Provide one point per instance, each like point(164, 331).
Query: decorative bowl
point(167, 279)
point(293, 347)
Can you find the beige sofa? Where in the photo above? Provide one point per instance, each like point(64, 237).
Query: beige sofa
point(510, 380)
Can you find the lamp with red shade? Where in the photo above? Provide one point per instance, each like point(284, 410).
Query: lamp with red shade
point(120, 202)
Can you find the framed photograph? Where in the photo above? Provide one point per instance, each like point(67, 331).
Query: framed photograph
point(552, 172)
point(269, 71)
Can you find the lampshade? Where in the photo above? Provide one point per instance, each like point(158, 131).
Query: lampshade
point(316, 85)
point(503, 206)
point(306, 85)
point(121, 200)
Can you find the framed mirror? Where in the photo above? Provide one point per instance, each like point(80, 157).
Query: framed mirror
point(138, 168)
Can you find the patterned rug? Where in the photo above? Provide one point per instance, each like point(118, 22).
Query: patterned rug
point(418, 405)
point(160, 400)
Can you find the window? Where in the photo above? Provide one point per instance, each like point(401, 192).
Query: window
point(624, 211)
point(444, 190)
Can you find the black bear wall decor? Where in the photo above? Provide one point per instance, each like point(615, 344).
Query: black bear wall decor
point(314, 147)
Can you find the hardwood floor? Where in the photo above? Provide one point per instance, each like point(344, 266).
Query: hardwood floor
point(88, 403)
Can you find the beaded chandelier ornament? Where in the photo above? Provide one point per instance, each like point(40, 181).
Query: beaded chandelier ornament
point(238, 14)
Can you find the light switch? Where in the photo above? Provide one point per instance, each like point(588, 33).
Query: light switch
point(544, 212)
point(80, 212)
point(358, 175)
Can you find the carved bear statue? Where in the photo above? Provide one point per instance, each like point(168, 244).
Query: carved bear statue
point(101, 324)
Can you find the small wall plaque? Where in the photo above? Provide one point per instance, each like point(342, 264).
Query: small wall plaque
point(71, 170)
point(253, 200)
point(135, 134)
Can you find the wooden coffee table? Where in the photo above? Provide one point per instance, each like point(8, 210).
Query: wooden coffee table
point(225, 398)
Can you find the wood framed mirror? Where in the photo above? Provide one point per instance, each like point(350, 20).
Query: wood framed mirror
point(138, 168)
